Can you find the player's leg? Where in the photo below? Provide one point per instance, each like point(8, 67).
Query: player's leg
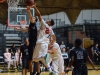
point(61, 66)
point(84, 70)
point(25, 65)
point(30, 50)
point(77, 70)
point(55, 67)
point(23, 71)
point(44, 56)
point(37, 68)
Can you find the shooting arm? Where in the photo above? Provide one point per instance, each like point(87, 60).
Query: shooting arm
point(22, 29)
point(29, 14)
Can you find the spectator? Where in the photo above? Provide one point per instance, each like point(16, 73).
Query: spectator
point(62, 45)
point(17, 58)
point(65, 56)
point(13, 50)
point(7, 58)
point(96, 54)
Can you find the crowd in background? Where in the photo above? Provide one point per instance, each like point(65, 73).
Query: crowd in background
point(11, 55)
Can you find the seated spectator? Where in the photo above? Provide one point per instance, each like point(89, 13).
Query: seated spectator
point(13, 50)
point(65, 56)
point(62, 45)
point(7, 58)
point(16, 59)
point(96, 54)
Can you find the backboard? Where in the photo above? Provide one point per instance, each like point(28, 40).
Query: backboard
point(15, 18)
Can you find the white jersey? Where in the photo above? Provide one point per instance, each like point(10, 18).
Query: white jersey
point(57, 54)
point(42, 36)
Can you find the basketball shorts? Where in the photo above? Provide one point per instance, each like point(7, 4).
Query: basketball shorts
point(58, 65)
point(30, 50)
point(40, 50)
point(80, 70)
point(25, 62)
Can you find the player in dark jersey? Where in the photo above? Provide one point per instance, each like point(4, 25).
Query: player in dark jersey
point(25, 56)
point(32, 31)
point(78, 59)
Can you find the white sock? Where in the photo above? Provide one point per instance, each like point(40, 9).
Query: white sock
point(49, 68)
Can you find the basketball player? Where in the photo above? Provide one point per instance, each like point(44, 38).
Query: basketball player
point(32, 30)
point(25, 56)
point(43, 38)
point(57, 59)
point(78, 59)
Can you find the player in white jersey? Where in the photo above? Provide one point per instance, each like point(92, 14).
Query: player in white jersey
point(44, 32)
point(57, 59)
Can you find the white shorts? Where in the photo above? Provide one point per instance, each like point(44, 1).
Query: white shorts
point(58, 65)
point(40, 50)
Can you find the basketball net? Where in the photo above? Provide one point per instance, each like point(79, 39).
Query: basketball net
point(12, 5)
point(23, 23)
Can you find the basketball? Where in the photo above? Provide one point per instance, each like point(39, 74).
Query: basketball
point(29, 2)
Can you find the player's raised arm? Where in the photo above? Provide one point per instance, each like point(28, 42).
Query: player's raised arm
point(29, 14)
point(21, 29)
point(37, 12)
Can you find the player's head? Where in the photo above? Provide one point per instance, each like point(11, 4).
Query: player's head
point(35, 18)
point(78, 42)
point(26, 41)
point(50, 22)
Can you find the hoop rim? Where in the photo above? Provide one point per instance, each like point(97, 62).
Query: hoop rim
point(13, 26)
point(22, 22)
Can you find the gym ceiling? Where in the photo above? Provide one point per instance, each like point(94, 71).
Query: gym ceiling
point(72, 8)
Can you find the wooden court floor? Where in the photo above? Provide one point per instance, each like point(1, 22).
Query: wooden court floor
point(90, 72)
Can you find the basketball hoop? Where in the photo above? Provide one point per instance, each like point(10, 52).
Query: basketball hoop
point(23, 23)
point(12, 5)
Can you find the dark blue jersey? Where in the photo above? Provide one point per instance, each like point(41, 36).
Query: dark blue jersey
point(80, 55)
point(24, 50)
point(32, 33)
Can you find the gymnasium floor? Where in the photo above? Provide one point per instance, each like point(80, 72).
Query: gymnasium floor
point(91, 72)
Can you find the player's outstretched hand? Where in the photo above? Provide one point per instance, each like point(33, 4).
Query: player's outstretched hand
point(17, 28)
point(28, 8)
point(34, 5)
